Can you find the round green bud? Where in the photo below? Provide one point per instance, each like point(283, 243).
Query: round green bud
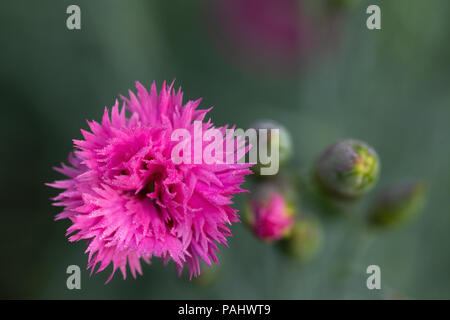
point(278, 140)
point(208, 274)
point(347, 169)
point(304, 241)
point(398, 203)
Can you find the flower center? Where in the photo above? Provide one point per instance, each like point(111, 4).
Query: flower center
point(151, 186)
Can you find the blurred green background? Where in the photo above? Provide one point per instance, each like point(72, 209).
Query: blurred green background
point(389, 88)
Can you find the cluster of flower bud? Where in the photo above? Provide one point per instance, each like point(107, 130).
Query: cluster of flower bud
point(344, 172)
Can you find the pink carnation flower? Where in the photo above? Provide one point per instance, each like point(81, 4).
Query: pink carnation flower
point(127, 198)
point(272, 218)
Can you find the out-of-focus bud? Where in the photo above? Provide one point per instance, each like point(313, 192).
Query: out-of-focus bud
point(347, 169)
point(269, 214)
point(273, 145)
point(208, 274)
point(398, 203)
point(305, 240)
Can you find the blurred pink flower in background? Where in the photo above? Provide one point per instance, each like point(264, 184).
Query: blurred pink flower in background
point(279, 37)
point(261, 31)
point(126, 197)
point(271, 218)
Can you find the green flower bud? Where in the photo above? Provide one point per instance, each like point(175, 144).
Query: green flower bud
point(305, 240)
point(398, 203)
point(208, 275)
point(277, 141)
point(347, 169)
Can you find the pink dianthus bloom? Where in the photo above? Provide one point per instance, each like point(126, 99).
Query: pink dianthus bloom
point(272, 218)
point(128, 199)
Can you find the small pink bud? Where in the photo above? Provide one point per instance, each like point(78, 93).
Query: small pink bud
point(270, 215)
